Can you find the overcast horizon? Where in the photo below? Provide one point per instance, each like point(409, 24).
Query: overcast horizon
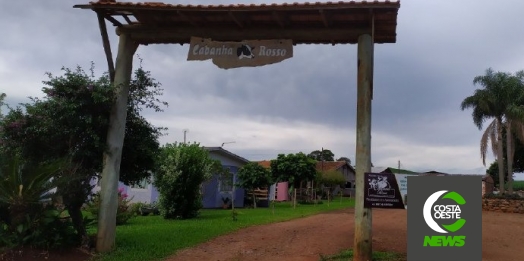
point(303, 103)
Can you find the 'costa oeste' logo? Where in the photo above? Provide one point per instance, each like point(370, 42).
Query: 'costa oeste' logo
point(444, 211)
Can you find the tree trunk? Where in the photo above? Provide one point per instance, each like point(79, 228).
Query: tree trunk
point(75, 212)
point(254, 199)
point(500, 155)
point(295, 198)
point(329, 195)
point(510, 150)
point(105, 240)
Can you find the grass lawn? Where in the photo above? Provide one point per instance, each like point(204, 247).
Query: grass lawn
point(153, 238)
point(518, 185)
point(347, 255)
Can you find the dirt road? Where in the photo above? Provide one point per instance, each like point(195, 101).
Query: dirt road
point(307, 238)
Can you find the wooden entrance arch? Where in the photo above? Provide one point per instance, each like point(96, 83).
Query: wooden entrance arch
point(363, 23)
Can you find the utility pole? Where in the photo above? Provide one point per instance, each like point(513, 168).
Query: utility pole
point(362, 248)
point(399, 164)
point(185, 131)
point(322, 158)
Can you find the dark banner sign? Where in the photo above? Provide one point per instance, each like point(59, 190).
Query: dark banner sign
point(381, 190)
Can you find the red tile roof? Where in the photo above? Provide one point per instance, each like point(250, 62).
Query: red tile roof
point(265, 163)
point(330, 165)
point(233, 7)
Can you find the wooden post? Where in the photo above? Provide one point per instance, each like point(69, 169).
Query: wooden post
point(115, 141)
point(362, 248)
point(107, 46)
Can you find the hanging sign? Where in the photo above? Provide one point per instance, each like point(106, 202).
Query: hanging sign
point(381, 190)
point(249, 53)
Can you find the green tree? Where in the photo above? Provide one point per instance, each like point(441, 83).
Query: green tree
point(252, 176)
point(2, 97)
point(293, 168)
point(497, 100)
point(346, 159)
point(182, 168)
point(320, 155)
point(72, 120)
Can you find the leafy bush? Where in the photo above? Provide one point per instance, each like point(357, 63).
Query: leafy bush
point(332, 178)
point(123, 213)
point(134, 208)
point(143, 209)
point(252, 176)
point(46, 229)
point(182, 170)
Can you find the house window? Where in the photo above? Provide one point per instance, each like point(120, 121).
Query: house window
point(225, 182)
point(348, 184)
point(142, 184)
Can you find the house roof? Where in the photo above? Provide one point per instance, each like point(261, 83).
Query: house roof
point(391, 170)
point(327, 166)
point(324, 23)
point(265, 163)
point(332, 165)
point(226, 153)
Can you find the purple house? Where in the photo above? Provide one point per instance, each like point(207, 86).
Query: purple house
point(213, 190)
point(217, 188)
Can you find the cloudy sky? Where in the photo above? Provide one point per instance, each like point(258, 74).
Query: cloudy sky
point(306, 102)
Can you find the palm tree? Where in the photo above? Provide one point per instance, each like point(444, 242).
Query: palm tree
point(514, 124)
point(498, 100)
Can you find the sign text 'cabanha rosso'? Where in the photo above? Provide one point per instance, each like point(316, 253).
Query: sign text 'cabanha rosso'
point(249, 53)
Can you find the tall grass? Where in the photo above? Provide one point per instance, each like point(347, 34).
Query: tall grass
point(154, 238)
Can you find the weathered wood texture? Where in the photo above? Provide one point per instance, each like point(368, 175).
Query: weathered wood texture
point(107, 46)
point(115, 141)
point(322, 23)
point(363, 244)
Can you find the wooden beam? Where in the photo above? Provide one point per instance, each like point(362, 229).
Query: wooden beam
point(187, 18)
point(107, 46)
point(362, 248)
point(235, 19)
point(151, 35)
point(372, 52)
point(114, 144)
point(126, 17)
point(113, 20)
point(279, 18)
point(325, 19)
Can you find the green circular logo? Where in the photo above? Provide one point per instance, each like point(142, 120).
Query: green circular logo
point(434, 211)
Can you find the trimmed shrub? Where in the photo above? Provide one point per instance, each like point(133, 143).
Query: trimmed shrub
point(182, 170)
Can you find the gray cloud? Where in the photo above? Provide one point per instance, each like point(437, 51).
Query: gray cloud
point(419, 81)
